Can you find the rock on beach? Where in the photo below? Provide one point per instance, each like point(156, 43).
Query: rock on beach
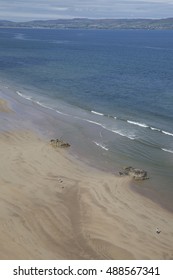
point(137, 174)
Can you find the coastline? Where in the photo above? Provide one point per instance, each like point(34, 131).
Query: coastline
point(53, 206)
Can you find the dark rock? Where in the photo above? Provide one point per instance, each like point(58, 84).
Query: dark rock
point(137, 174)
point(59, 143)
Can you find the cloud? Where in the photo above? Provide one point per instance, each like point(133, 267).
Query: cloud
point(51, 9)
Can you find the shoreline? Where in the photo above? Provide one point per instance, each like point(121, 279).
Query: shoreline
point(45, 121)
point(53, 206)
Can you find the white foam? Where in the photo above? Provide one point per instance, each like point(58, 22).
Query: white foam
point(43, 105)
point(167, 133)
point(166, 150)
point(95, 123)
point(137, 123)
point(97, 113)
point(50, 108)
point(131, 137)
point(118, 132)
point(61, 113)
point(101, 146)
point(24, 96)
point(19, 93)
point(124, 135)
point(154, 128)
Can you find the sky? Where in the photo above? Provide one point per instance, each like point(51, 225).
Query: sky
point(25, 10)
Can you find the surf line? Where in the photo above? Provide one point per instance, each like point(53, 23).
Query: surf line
point(97, 113)
point(166, 150)
point(101, 146)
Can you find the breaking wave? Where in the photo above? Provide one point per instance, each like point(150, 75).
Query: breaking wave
point(43, 105)
point(97, 113)
point(124, 135)
point(167, 133)
point(154, 128)
point(24, 96)
point(101, 146)
point(119, 132)
point(99, 124)
point(137, 123)
point(166, 150)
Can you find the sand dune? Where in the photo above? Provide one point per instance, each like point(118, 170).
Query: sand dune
point(55, 207)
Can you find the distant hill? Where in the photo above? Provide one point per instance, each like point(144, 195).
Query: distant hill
point(84, 23)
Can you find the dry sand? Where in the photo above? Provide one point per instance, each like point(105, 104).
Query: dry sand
point(54, 207)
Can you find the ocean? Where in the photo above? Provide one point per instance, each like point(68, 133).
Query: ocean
point(108, 92)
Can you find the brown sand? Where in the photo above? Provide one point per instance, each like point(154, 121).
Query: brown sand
point(54, 207)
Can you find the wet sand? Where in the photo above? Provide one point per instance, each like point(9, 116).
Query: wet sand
point(53, 206)
point(3, 106)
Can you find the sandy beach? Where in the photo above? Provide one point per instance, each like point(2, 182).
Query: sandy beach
point(52, 206)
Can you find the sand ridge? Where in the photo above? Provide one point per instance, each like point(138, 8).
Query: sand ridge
point(53, 207)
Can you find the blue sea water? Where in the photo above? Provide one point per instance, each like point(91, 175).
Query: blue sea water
point(115, 86)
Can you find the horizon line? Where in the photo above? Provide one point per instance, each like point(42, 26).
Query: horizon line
point(87, 18)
